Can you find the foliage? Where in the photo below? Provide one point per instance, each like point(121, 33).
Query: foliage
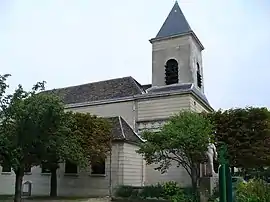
point(94, 135)
point(182, 140)
point(82, 139)
point(125, 191)
point(246, 133)
point(259, 173)
point(168, 190)
point(215, 194)
point(152, 191)
point(35, 129)
point(29, 125)
point(253, 191)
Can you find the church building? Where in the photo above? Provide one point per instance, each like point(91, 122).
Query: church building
point(177, 84)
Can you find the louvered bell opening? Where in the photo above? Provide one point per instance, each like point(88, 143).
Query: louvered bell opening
point(171, 72)
point(199, 80)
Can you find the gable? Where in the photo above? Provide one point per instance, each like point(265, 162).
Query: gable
point(121, 131)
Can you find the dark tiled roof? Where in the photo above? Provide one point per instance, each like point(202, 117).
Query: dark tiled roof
point(178, 88)
point(175, 24)
point(102, 90)
point(121, 131)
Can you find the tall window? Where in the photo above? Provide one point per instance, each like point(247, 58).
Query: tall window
point(6, 168)
point(98, 167)
point(70, 168)
point(199, 76)
point(171, 72)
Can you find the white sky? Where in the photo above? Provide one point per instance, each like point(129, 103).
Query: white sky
point(70, 42)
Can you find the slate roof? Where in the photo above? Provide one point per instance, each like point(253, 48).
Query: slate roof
point(121, 131)
point(175, 24)
point(102, 90)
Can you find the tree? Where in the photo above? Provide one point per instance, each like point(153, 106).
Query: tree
point(94, 134)
point(29, 122)
point(84, 139)
point(63, 145)
point(246, 132)
point(183, 140)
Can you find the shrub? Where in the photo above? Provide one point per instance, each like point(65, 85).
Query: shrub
point(126, 191)
point(171, 189)
point(215, 194)
point(151, 191)
point(178, 197)
point(253, 191)
point(168, 190)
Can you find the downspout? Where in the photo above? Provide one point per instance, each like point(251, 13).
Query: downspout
point(110, 176)
point(135, 110)
point(142, 183)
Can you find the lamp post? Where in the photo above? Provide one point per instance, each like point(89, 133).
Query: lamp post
point(225, 178)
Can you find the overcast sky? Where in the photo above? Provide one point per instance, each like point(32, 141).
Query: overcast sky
point(71, 42)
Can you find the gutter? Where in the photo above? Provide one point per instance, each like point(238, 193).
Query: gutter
point(137, 97)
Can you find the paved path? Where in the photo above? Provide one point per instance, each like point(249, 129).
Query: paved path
point(78, 200)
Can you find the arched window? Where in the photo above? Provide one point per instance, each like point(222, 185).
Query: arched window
point(199, 76)
point(171, 72)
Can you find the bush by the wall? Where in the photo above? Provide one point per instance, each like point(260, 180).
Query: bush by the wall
point(168, 190)
point(126, 192)
point(151, 191)
point(253, 191)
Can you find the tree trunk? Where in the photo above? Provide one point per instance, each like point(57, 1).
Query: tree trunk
point(194, 181)
point(53, 189)
point(18, 185)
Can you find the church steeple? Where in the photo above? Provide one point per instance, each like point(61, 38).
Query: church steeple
point(175, 24)
point(176, 53)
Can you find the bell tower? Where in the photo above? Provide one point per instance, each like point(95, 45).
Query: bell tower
point(176, 53)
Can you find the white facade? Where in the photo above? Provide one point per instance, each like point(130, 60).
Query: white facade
point(147, 111)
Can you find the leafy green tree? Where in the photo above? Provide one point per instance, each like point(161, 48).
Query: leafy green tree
point(183, 140)
point(63, 145)
point(29, 122)
point(94, 134)
point(246, 132)
point(35, 129)
point(83, 139)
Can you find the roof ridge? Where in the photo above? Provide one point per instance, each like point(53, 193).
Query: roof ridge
point(95, 82)
point(138, 85)
point(121, 125)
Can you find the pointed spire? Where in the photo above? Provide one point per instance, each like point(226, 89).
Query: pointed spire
point(175, 24)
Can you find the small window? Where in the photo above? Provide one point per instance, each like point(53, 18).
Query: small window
point(199, 76)
point(6, 168)
point(98, 167)
point(27, 169)
point(45, 168)
point(71, 168)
